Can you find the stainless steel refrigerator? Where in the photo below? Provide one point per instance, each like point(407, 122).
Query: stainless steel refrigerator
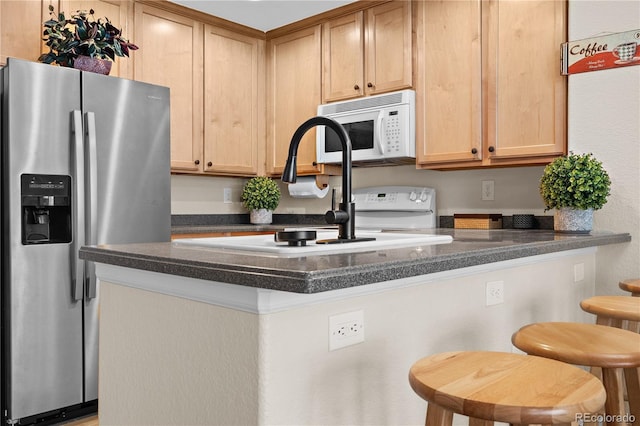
point(84, 160)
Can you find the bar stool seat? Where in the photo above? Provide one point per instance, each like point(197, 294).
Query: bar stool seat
point(590, 345)
point(631, 285)
point(614, 311)
point(503, 387)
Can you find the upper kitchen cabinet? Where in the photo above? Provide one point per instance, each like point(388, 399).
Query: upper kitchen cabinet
point(490, 92)
point(171, 55)
point(119, 12)
point(368, 52)
point(233, 102)
point(293, 96)
point(21, 27)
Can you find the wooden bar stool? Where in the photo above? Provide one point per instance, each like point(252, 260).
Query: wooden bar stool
point(614, 311)
point(503, 387)
point(631, 285)
point(591, 345)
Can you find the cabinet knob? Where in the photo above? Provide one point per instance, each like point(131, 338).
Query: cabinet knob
point(474, 151)
point(356, 87)
point(369, 84)
point(491, 149)
point(209, 164)
point(197, 162)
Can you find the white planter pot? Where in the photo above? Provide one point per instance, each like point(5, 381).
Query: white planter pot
point(261, 216)
point(571, 220)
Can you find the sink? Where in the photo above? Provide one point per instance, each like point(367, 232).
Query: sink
point(265, 244)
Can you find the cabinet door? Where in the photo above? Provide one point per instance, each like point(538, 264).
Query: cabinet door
point(526, 94)
point(449, 99)
point(343, 58)
point(21, 27)
point(171, 55)
point(293, 94)
point(231, 125)
point(119, 13)
point(389, 44)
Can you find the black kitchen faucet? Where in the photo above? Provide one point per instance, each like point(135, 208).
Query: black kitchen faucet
point(345, 215)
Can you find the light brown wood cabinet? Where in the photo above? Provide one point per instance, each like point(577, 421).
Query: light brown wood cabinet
point(21, 27)
point(233, 102)
point(293, 96)
point(489, 88)
point(368, 52)
point(171, 55)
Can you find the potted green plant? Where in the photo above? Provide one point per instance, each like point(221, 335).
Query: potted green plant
point(575, 185)
point(83, 41)
point(261, 196)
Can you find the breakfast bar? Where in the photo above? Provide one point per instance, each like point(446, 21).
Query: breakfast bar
point(224, 336)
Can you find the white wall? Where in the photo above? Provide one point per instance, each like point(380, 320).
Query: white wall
point(188, 362)
point(604, 118)
point(516, 191)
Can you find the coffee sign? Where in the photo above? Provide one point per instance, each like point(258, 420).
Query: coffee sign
point(601, 53)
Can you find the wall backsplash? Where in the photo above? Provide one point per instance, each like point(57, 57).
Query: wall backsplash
point(516, 191)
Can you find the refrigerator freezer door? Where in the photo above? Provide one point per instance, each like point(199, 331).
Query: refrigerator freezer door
point(128, 178)
point(43, 334)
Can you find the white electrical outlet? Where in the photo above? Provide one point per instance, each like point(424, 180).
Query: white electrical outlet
point(495, 292)
point(346, 329)
point(227, 196)
point(487, 190)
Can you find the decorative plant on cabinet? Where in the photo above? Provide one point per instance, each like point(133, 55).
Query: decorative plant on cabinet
point(83, 41)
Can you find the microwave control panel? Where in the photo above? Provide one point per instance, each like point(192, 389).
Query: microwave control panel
point(393, 134)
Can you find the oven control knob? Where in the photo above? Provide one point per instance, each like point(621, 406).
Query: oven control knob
point(413, 196)
point(423, 196)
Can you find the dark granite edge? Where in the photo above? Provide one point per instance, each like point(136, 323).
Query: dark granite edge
point(332, 279)
point(209, 220)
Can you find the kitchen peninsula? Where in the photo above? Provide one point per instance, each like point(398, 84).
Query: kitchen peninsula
point(194, 335)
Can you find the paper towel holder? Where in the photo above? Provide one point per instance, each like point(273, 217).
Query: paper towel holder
point(322, 181)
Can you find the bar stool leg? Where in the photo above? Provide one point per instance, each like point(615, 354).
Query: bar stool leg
point(438, 416)
point(614, 405)
point(632, 378)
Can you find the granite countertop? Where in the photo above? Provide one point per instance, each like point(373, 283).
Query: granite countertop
point(312, 274)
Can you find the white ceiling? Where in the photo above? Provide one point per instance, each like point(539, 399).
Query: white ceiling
point(263, 15)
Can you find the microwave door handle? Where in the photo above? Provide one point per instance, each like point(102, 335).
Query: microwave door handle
point(379, 137)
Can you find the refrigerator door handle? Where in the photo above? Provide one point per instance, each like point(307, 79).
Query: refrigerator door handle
point(77, 265)
point(92, 199)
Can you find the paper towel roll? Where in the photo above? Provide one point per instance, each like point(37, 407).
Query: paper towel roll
point(305, 187)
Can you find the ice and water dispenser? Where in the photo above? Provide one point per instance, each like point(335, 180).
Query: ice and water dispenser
point(46, 209)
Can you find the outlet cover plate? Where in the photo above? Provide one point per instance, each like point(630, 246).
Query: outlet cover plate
point(495, 292)
point(346, 329)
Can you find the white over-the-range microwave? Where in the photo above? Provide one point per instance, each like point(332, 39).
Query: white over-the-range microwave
point(381, 129)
